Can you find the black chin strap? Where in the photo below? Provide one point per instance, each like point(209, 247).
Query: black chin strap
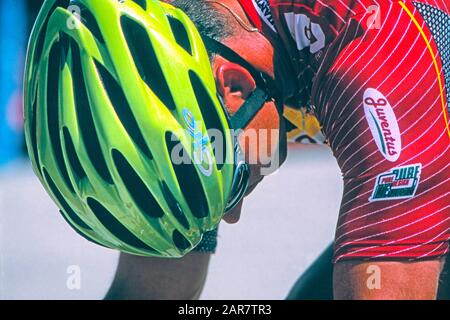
point(249, 109)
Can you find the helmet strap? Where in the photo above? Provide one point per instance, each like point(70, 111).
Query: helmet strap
point(265, 91)
point(249, 109)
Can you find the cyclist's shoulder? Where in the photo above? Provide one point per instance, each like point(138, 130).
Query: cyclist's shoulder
point(268, 13)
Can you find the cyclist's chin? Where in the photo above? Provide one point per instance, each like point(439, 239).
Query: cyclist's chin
point(235, 215)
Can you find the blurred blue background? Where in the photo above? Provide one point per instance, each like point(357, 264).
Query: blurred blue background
point(13, 34)
point(16, 21)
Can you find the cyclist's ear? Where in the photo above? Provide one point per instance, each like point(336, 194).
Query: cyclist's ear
point(234, 84)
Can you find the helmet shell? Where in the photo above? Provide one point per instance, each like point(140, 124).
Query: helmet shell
point(120, 109)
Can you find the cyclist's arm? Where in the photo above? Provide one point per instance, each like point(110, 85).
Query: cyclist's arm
point(158, 278)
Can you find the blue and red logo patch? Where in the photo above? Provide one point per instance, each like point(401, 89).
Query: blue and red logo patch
point(398, 183)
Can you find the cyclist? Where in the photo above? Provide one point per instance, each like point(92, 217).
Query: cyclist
point(355, 63)
point(374, 74)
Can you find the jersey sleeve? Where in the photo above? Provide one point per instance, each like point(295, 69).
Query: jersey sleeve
point(382, 100)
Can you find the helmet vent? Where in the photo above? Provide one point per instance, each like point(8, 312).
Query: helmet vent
point(85, 121)
point(181, 35)
point(53, 98)
point(210, 117)
point(136, 187)
point(89, 21)
point(33, 133)
point(115, 227)
point(174, 206)
point(63, 203)
point(122, 108)
point(72, 155)
point(180, 241)
point(43, 30)
point(146, 61)
point(188, 181)
point(75, 228)
point(141, 3)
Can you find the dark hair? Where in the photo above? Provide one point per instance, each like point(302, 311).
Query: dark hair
point(208, 21)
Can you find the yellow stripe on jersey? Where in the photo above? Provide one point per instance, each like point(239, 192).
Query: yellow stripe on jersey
point(436, 66)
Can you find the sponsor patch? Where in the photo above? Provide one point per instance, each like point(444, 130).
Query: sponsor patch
point(398, 183)
point(306, 34)
point(264, 11)
point(383, 124)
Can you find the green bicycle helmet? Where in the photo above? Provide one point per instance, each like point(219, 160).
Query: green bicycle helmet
point(113, 90)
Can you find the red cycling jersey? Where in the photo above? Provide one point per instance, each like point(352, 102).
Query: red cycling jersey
point(376, 75)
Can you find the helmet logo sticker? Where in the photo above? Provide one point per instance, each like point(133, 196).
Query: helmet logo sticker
point(201, 154)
